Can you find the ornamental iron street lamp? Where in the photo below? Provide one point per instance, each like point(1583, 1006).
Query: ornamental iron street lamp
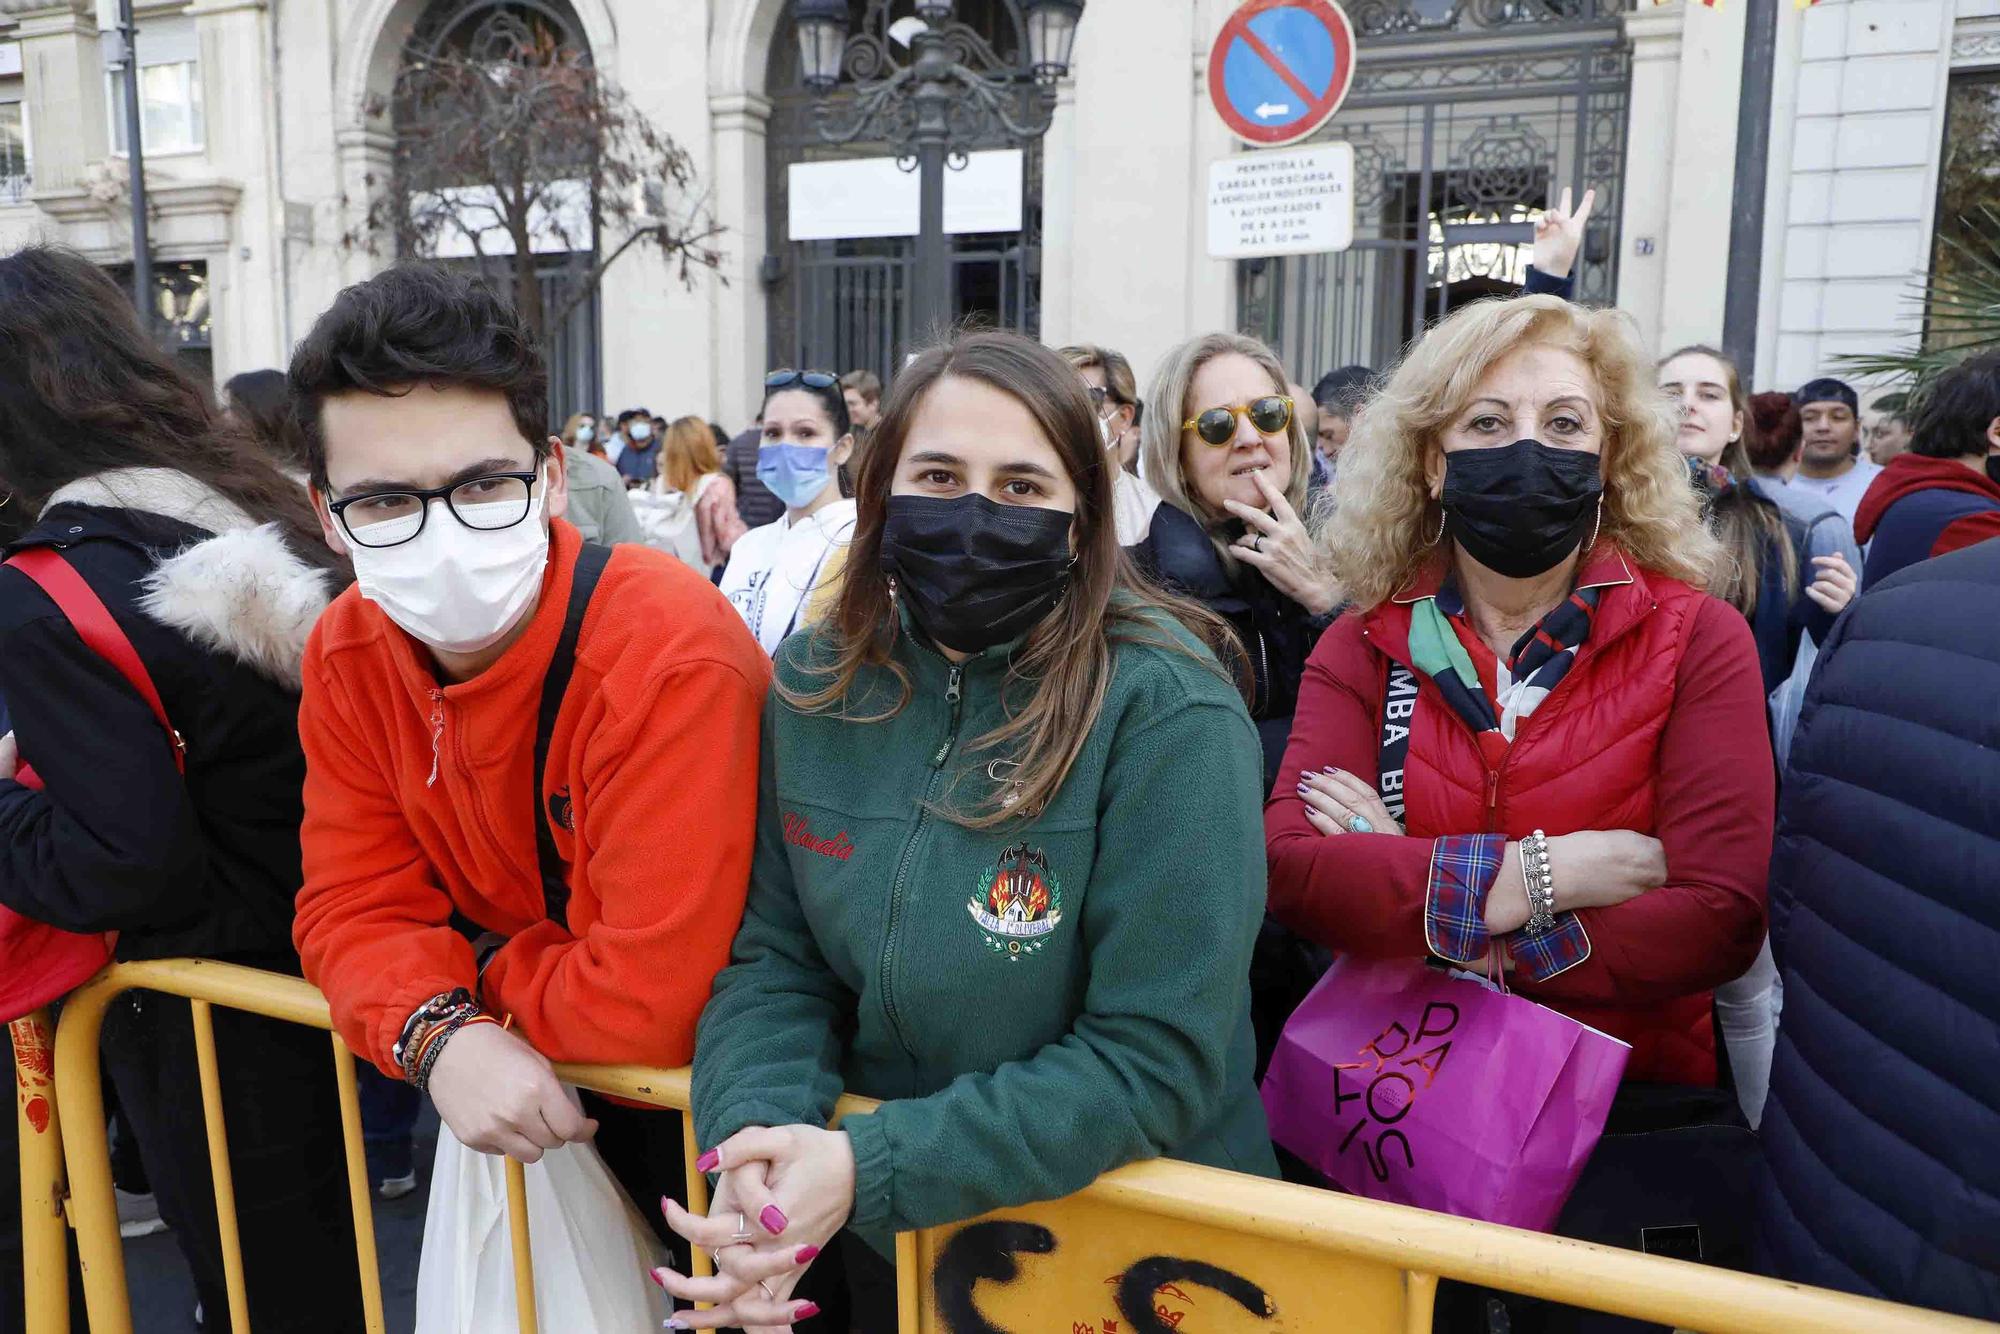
point(951, 92)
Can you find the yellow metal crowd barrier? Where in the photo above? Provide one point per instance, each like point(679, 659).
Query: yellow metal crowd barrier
point(1141, 1251)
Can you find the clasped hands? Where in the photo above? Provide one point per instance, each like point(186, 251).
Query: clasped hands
point(782, 1195)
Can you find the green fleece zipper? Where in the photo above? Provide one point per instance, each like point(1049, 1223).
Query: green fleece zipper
point(953, 694)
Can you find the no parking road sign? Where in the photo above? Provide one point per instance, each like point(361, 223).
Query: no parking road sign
point(1280, 68)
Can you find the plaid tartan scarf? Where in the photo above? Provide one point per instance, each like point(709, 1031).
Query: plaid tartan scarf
point(1540, 658)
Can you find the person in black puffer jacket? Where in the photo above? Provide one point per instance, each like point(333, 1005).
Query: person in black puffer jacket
point(1885, 1089)
point(206, 555)
point(1222, 444)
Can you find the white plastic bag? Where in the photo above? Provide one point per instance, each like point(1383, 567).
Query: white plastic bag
point(592, 1250)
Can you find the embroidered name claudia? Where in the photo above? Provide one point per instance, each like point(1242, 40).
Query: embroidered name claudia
point(799, 836)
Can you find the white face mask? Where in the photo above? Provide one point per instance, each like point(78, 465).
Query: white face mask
point(641, 431)
point(457, 589)
point(585, 434)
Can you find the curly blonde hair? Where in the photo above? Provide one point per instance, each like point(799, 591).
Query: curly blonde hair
point(1382, 527)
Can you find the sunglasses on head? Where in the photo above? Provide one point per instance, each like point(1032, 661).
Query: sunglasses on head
point(785, 379)
point(1270, 414)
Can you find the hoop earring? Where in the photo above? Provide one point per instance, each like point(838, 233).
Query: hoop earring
point(8, 501)
point(1438, 536)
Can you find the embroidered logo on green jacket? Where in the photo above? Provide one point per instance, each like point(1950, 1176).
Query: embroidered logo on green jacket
point(1019, 903)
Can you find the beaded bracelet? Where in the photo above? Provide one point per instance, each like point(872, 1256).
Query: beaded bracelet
point(424, 1020)
point(1539, 881)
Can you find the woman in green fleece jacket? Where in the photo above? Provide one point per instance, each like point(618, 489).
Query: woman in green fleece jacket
point(1009, 863)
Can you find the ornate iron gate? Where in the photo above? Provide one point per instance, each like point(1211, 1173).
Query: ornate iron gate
point(1467, 117)
point(844, 305)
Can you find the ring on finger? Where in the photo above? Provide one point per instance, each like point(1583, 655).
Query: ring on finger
point(743, 1232)
point(764, 1286)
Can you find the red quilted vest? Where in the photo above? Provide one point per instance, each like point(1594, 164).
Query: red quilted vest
point(1587, 758)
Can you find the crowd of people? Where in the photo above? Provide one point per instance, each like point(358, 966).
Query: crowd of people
point(1019, 747)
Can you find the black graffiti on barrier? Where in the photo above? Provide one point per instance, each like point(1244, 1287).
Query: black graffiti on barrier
point(982, 1251)
point(1142, 1280)
point(988, 1251)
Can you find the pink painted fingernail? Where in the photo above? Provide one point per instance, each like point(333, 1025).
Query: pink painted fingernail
point(658, 1276)
point(664, 1202)
point(773, 1219)
point(806, 1255)
point(806, 1311)
point(709, 1161)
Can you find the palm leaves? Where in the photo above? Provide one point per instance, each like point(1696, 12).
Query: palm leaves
point(1961, 305)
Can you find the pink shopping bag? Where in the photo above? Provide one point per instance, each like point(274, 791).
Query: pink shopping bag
point(1404, 1083)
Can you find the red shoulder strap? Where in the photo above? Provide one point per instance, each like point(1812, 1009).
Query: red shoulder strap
point(97, 628)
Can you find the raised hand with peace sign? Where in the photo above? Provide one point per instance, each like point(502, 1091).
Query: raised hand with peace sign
point(1559, 234)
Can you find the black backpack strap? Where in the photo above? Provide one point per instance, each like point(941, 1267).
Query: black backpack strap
point(590, 563)
point(1399, 711)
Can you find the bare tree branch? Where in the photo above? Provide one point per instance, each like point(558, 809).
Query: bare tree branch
point(533, 147)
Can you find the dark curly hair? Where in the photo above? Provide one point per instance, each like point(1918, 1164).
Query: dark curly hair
point(84, 390)
point(418, 324)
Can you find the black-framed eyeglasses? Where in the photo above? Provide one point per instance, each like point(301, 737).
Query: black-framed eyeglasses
point(785, 379)
point(484, 504)
point(1217, 426)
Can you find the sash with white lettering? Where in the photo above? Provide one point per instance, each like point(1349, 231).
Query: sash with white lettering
point(1399, 709)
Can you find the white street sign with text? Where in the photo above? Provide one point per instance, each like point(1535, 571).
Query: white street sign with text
point(1282, 201)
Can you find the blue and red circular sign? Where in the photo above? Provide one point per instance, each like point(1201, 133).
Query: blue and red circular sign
point(1280, 68)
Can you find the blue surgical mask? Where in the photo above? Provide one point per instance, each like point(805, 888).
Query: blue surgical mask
point(795, 474)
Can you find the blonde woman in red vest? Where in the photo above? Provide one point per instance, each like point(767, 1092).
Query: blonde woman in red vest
point(1526, 557)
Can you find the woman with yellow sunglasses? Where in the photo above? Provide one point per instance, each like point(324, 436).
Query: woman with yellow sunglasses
point(1222, 443)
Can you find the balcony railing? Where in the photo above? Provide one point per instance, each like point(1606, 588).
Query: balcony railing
point(14, 189)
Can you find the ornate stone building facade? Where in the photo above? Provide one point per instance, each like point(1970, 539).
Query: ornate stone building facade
point(265, 140)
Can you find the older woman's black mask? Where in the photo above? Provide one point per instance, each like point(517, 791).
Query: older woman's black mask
point(1519, 509)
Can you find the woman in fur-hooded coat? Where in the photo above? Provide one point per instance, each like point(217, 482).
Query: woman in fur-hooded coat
point(208, 560)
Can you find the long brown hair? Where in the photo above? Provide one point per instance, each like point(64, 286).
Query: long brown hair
point(84, 390)
point(1066, 660)
point(1749, 527)
point(688, 454)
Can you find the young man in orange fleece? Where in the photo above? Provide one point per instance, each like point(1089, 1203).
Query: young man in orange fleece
point(428, 911)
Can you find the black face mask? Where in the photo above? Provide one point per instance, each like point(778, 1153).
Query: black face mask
point(975, 573)
point(1519, 509)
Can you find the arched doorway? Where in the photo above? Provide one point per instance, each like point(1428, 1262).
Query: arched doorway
point(844, 304)
point(497, 33)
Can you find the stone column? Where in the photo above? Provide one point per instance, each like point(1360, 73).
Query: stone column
point(366, 154)
point(738, 122)
point(1702, 172)
point(1649, 139)
point(236, 95)
point(1060, 187)
point(64, 67)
